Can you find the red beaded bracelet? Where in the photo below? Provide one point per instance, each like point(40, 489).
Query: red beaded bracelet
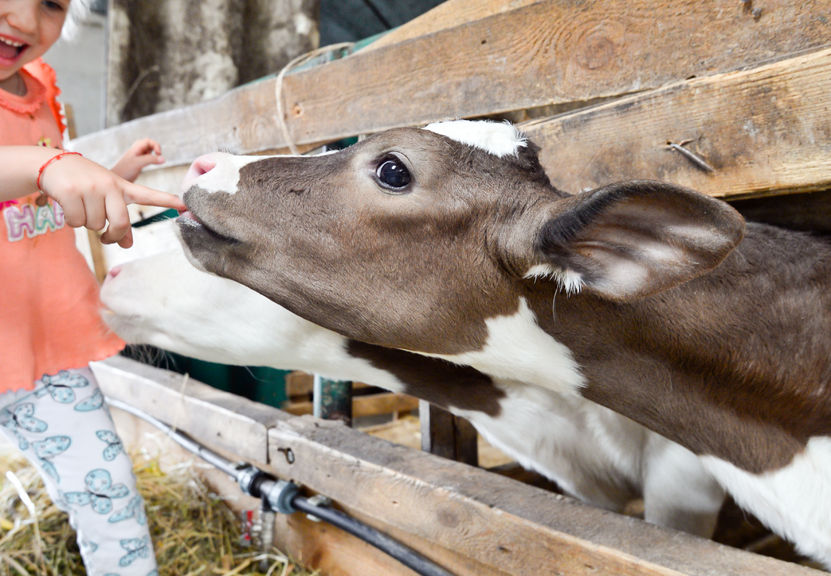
point(48, 162)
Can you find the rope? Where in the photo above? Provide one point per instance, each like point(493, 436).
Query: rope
point(278, 87)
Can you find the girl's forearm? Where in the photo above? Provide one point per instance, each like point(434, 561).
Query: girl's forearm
point(19, 172)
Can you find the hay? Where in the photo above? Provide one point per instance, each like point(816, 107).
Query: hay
point(193, 530)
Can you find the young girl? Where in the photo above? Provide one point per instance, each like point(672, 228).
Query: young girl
point(50, 329)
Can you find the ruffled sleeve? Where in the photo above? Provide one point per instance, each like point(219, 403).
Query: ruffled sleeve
point(41, 88)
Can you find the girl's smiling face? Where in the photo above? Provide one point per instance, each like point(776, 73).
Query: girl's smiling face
point(28, 28)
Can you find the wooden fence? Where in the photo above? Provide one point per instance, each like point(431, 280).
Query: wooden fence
point(472, 522)
point(729, 97)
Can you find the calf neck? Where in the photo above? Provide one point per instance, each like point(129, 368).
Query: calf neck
point(647, 298)
point(593, 453)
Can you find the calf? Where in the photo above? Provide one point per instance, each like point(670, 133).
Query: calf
point(591, 452)
point(647, 298)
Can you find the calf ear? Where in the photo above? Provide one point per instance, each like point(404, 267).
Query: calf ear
point(633, 239)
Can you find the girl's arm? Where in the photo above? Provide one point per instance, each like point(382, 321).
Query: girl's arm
point(89, 194)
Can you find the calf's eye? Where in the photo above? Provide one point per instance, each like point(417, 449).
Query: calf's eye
point(392, 174)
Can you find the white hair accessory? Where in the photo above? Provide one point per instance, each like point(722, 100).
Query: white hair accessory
point(78, 12)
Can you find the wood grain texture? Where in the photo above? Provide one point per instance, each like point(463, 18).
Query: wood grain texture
point(332, 551)
point(446, 15)
point(766, 130)
point(225, 422)
point(441, 506)
point(446, 435)
point(536, 55)
point(471, 521)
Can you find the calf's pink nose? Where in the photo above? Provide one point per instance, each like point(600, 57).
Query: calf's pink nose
point(201, 165)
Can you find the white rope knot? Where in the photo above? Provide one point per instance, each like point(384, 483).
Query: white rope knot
point(278, 87)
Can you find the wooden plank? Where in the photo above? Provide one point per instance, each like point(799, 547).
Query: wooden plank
point(382, 403)
point(541, 54)
point(443, 505)
point(333, 551)
point(226, 422)
point(472, 522)
point(330, 550)
point(447, 15)
point(299, 384)
point(446, 435)
point(764, 131)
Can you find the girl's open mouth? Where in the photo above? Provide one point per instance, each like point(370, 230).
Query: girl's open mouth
point(10, 49)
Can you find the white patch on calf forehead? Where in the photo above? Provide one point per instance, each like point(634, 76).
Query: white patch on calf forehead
point(498, 138)
point(224, 177)
point(518, 349)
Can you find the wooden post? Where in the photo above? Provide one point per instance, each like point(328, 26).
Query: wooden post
point(444, 434)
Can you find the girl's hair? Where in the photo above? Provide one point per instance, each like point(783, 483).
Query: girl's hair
point(78, 12)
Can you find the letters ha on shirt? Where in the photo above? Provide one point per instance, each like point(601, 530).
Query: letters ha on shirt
point(27, 220)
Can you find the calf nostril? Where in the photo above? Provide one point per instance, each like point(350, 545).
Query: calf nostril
point(114, 271)
point(203, 165)
point(200, 166)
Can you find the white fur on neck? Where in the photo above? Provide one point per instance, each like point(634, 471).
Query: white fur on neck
point(497, 138)
point(551, 434)
point(793, 501)
point(165, 302)
point(518, 349)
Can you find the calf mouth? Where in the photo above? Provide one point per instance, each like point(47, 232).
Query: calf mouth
point(192, 226)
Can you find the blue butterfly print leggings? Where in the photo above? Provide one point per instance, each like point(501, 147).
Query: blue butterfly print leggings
point(65, 430)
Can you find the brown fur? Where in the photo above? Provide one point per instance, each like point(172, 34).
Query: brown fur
point(728, 358)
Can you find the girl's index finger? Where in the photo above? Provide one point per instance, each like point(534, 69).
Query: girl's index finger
point(138, 194)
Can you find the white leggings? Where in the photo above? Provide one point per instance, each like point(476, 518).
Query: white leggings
point(65, 430)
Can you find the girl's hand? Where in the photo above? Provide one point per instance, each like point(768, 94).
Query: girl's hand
point(93, 196)
point(137, 157)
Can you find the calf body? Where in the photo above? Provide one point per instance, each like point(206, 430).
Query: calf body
point(646, 298)
point(591, 452)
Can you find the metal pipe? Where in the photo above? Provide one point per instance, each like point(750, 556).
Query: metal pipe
point(281, 496)
point(182, 439)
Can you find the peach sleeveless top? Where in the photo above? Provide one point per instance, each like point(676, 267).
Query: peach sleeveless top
point(49, 307)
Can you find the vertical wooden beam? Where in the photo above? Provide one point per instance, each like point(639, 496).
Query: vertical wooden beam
point(446, 435)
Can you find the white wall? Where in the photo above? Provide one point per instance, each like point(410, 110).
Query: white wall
point(81, 68)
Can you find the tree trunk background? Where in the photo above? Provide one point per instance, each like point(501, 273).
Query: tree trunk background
point(165, 54)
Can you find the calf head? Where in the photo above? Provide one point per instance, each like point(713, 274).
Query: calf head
point(413, 238)
point(163, 301)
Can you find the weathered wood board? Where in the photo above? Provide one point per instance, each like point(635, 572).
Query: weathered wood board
point(746, 84)
point(766, 130)
point(538, 54)
point(470, 521)
point(447, 15)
